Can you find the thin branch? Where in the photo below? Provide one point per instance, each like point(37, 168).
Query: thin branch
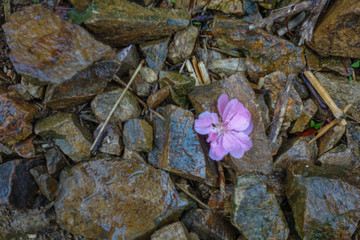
point(193, 197)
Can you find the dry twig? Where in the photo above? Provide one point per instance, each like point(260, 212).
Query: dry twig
point(193, 197)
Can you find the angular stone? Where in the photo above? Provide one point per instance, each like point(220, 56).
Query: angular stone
point(67, 133)
point(141, 87)
point(275, 83)
point(55, 161)
point(128, 108)
point(25, 148)
point(174, 231)
point(209, 225)
point(301, 89)
point(222, 202)
point(295, 150)
point(264, 109)
point(18, 188)
point(19, 89)
point(228, 66)
point(342, 91)
point(46, 48)
point(112, 142)
point(183, 44)
point(353, 137)
point(256, 212)
point(323, 203)
point(148, 74)
point(330, 138)
point(138, 135)
point(15, 118)
point(80, 5)
point(337, 32)
point(158, 97)
point(204, 98)
point(129, 59)
point(47, 184)
point(307, 113)
point(180, 84)
point(133, 156)
point(121, 23)
point(177, 147)
point(340, 156)
point(98, 205)
point(82, 87)
point(266, 53)
point(33, 90)
point(155, 53)
point(227, 6)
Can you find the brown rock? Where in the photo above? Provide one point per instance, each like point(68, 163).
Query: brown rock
point(48, 49)
point(112, 142)
point(108, 206)
point(33, 90)
point(228, 66)
point(330, 138)
point(80, 5)
point(267, 53)
point(141, 87)
point(183, 44)
point(15, 118)
point(121, 23)
point(337, 33)
point(155, 53)
point(129, 59)
point(55, 161)
point(47, 184)
point(82, 87)
point(138, 135)
point(307, 113)
point(227, 6)
point(25, 148)
point(204, 98)
point(340, 156)
point(174, 231)
point(158, 97)
point(68, 134)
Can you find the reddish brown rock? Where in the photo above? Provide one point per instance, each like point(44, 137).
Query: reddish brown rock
point(46, 48)
point(138, 135)
point(307, 113)
point(331, 138)
point(25, 148)
point(15, 118)
point(55, 161)
point(158, 97)
point(337, 33)
point(227, 6)
point(47, 184)
point(80, 5)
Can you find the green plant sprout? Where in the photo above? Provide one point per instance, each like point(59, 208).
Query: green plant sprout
point(315, 125)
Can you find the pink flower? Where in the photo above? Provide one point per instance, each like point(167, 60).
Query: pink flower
point(228, 134)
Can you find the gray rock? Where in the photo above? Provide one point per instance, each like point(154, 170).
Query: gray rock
point(129, 59)
point(55, 161)
point(353, 137)
point(155, 53)
point(228, 66)
point(47, 184)
point(174, 231)
point(340, 156)
point(112, 142)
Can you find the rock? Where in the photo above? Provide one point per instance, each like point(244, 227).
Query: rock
point(67, 133)
point(295, 150)
point(180, 84)
point(19, 89)
point(266, 53)
point(330, 138)
point(80, 5)
point(25, 148)
point(47, 49)
point(183, 44)
point(228, 66)
point(47, 184)
point(174, 231)
point(18, 188)
point(121, 23)
point(97, 205)
point(251, 12)
point(148, 74)
point(138, 135)
point(177, 147)
point(55, 161)
point(336, 64)
point(264, 109)
point(323, 203)
point(204, 98)
point(307, 113)
point(112, 142)
point(129, 59)
point(209, 225)
point(128, 108)
point(301, 89)
point(222, 202)
point(342, 91)
point(133, 156)
point(275, 83)
point(155, 53)
point(158, 97)
point(336, 33)
point(227, 6)
point(340, 156)
point(82, 87)
point(353, 137)
point(33, 90)
point(15, 118)
point(141, 87)
point(256, 213)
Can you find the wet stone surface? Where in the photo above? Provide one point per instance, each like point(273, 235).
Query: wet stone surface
point(324, 204)
point(177, 147)
point(256, 212)
point(209, 225)
point(65, 130)
point(155, 53)
point(130, 190)
point(174, 231)
point(48, 49)
point(128, 108)
point(138, 135)
point(18, 188)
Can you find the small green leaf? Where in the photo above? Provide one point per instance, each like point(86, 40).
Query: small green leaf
point(317, 126)
point(312, 123)
point(36, 1)
point(197, 23)
point(350, 78)
point(345, 116)
point(356, 64)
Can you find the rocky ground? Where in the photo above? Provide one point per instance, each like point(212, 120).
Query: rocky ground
point(149, 176)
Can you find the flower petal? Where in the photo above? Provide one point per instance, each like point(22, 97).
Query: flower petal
point(204, 124)
point(222, 102)
point(249, 129)
point(217, 152)
point(232, 108)
point(239, 122)
point(212, 135)
point(243, 140)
